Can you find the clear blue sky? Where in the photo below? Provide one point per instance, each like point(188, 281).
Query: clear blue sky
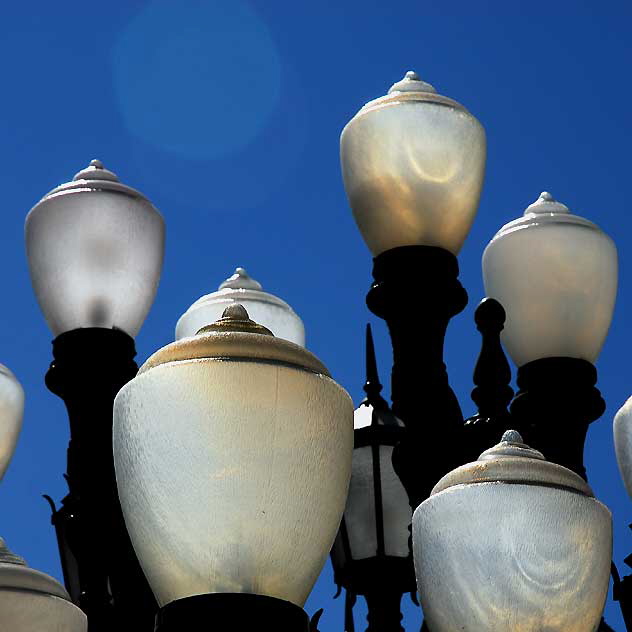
point(227, 113)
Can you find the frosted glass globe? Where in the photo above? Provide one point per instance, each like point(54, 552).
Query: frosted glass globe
point(11, 412)
point(623, 443)
point(512, 543)
point(264, 308)
point(556, 276)
point(233, 456)
point(413, 164)
point(95, 250)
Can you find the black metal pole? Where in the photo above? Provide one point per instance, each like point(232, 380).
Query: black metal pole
point(417, 291)
point(100, 567)
point(384, 607)
point(556, 403)
point(237, 612)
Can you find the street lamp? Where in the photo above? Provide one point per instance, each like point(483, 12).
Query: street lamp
point(233, 455)
point(512, 542)
point(413, 163)
point(95, 249)
point(555, 273)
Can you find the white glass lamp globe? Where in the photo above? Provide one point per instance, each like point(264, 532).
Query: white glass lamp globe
point(413, 163)
point(232, 451)
point(33, 601)
point(512, 543)
point(623, 443)
point(264, 308)
point(556, 276)
point(364, 537)
point(95, 248)
point(11, 412)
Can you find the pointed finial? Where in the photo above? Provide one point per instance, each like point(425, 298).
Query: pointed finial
point(512, 436)
point(546, 203)
point(411, 83)
point(240, 280)
point(236, 311)
point(235, 318)
point(96, 171)
point(372, 386)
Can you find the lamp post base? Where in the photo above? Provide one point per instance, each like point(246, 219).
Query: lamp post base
point(238, 612)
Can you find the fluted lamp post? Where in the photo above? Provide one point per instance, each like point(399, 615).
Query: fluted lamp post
point(371, 555)
point(555, 273)
point(29, 599)
point(512, 543)
point(233, 455)
point(95, 249)
point(413, 163)
point(264, 308)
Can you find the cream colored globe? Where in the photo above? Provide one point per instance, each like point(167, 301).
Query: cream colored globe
point(233, 457)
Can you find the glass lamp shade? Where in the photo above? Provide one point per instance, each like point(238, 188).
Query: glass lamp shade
point(266, 309)
point(512, 543)
point(232, 451)
point(377, 514)
point(31, 600)
point(95, 250)
point(623, 443)
point(413, 164)
point(11, 411)
point(556, 276)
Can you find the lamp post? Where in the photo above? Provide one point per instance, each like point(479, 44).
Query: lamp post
point(233, 454)
point(413, 164)
point(95, 249)
point(555, 273)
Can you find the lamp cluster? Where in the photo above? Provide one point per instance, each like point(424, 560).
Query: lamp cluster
point(216, 478)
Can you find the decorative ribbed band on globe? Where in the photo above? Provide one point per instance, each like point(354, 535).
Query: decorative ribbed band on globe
point(237, 612)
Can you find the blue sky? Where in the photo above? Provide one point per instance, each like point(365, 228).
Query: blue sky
point(227, 114)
